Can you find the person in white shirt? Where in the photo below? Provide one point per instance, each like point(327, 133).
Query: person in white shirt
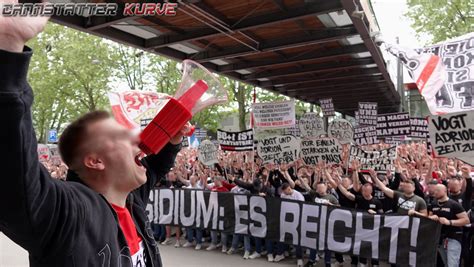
point(288, 193)
point(193, 184)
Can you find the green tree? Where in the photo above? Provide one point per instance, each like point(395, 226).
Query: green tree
point(70, 73)
point(441, 19)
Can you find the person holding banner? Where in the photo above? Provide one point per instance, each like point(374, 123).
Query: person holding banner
point(452, 216)
point(407, 203)
point(463, 197)
point(99, 217)
point(364, 202)
point(287, 192)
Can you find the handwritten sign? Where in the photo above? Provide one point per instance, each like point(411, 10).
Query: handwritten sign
point(327, 106)
point(311, 125)
point(207, 153)
point(341, 130)
point(452, 135)
point(321, 149)
point(43, 152)
point(279, 149)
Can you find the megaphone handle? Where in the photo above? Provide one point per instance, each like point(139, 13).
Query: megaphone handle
point(192, 95)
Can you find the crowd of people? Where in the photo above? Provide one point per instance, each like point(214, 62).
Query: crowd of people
point(420, 185)
point(437, 188)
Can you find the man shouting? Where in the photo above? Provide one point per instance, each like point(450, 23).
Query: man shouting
point(99, 218)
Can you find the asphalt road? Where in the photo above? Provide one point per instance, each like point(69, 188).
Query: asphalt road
point(12, 255)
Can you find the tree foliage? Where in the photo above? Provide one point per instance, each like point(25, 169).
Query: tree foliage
point(71, 73)
point(441, 19)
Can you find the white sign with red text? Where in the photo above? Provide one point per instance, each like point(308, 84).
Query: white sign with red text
point(274, 115)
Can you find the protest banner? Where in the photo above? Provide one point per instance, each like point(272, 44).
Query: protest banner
point(367, 113)
point(200, 133)
point(207, 153)
point(311, 125)
point(365, 135)
point(419, 128)
point(394, 140)
point(294, 130)
point(380, 161)
point(341, 130)
point(327, 106)
point(452, 135)
point(393, 238)
point(457, 93)
point(135, 109)
point(185, 142)
point(274, 115)
point(55, 156)
point(279, 149)
point(328, 150)
point(43, 152)
point(235, 141)
point(393, 124)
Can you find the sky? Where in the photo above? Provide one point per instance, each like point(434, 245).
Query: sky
point(393, 23)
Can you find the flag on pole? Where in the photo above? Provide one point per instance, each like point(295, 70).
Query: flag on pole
point(426, 69)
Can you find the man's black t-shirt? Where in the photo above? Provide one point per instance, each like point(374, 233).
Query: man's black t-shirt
point(344, 201)
point(449, 210)
point(364, 204)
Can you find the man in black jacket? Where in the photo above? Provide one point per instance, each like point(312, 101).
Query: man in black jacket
point(98, 220)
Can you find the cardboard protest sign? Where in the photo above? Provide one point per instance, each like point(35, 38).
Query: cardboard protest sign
point(327, 106)
point(311, 125)
point(365, 135)
point(235, 141)
point(279, 149)
point(43, 152)
point(207, 153)
point(200, 133)
point(135, 109)
point(315, 150)
point(54, 152)
point(341, 130)
point(380, 161)
point(294, 130)
point(274, 115)
point(393, 124)
point(452, 135)
point(185, 142)
point(367, 114)
point(419, 128)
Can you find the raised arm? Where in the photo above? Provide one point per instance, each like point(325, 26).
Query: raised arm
point(37, 212)
point(346, 193)
point(387, 191)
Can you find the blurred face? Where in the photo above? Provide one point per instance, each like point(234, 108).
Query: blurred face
point(322, 189)
point(193, 180)
point(172, 176)
point(112, 150)
point(346, 182)
point(287, 191)
point(431, 189)
point(367, 191)
point(454, 185)
point(439, 191)
point(217, 182)
point(408, 188)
